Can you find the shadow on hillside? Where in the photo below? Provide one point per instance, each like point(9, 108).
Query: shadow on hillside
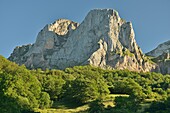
point(65, 105)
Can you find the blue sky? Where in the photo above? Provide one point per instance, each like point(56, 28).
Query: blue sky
point(21, 20)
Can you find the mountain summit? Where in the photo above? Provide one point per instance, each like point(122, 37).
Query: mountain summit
point(103, 39)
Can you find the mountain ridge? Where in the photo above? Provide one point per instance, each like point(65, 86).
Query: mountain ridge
point(161, 56)
point(160, 49)
point(103, 39)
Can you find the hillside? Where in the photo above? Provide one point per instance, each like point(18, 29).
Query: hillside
point(23, 90)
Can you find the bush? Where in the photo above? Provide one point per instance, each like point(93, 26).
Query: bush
point(96, 107)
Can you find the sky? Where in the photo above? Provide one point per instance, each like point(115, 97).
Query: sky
point(21, 20)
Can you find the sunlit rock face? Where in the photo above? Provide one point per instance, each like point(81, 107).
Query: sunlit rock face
point(103, 39)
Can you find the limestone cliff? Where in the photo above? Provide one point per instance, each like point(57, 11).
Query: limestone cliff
point(103, 39)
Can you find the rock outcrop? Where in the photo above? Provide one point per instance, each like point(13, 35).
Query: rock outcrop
point(163, 62)
point(103, 39)
point(161, 56)
point(19, 53)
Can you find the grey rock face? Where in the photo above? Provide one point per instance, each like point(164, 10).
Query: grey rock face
point(163, 62)
point(19, 53)
point(164, 66)
point(161, 56)
point(162, 48)
point(103, 39)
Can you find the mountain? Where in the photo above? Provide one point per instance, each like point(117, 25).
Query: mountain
point(161, 56)
point(162, 48)
point(103, 39)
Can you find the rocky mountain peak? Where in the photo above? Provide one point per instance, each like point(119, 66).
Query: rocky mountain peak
point(103, 39)
point(62, 26)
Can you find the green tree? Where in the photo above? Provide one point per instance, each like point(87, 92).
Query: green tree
point(45, 100)
point(19, 89)
point(53, 85)
point(96, 107)
point(128, 104)
point(159, 107)
point(84, 90)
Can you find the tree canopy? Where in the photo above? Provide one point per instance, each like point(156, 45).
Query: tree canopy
point(25, 90)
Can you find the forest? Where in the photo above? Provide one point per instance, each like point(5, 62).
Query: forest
point(102, 91)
